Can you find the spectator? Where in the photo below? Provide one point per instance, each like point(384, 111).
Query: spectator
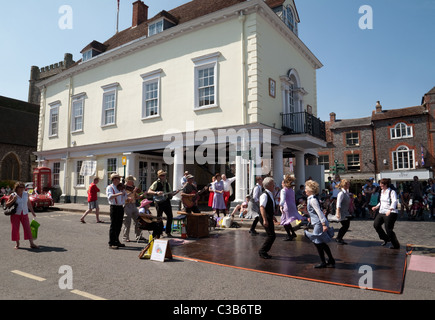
point(93, 201)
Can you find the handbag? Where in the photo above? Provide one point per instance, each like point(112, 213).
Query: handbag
point(11, 209)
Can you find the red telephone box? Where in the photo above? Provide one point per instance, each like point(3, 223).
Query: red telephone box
point(42, 179)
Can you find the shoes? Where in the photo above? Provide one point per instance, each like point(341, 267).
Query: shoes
point(287, 238)
point(330, 263)
point(340, 241)
point(264, 255)
point(253, 232)
point(384, 243)
point(320, 265)
point(113, 247)
point(168, 235)
point(394, 247)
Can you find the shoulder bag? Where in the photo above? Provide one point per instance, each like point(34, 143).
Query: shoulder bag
point(12, 208)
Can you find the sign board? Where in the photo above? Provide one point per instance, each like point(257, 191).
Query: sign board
point(124, 161)
point(161, 250)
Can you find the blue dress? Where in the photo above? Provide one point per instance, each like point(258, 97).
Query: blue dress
point(218, 198)
point(317, 218)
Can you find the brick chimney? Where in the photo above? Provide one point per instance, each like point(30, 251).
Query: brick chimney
point(140, 13)
point(378, 107)
point(332, 117)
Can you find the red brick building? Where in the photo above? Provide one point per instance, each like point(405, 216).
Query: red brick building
point(391, 143)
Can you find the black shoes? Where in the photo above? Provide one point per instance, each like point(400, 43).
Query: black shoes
point(264, 255)
point(329, 263)
point(340, 241)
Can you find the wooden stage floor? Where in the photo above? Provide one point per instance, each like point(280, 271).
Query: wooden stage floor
point(295, 259)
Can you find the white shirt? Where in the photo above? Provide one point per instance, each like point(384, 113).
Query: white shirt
point(227, 184)
point(256, 193)
point(388, 201)
point(263, 199)
point(22, 203)
point(116, 201)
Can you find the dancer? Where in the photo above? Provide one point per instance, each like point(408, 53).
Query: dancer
point(267, 217)
point(254, 205)
point(342, 212)
point(387, 215)
point(218, 198)
point(322, 233)
point(288, 208)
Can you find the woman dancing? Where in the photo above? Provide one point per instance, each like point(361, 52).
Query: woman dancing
point(321, 234)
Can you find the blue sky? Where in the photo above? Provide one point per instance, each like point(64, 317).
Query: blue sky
point(394, 62)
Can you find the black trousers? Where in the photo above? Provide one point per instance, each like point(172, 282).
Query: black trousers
point(167, 209)
point(116, 219)
point(344, 227)
point(270, 235)
point(254, 223)
point(388, 234)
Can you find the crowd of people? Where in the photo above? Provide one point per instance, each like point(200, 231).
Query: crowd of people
point(307, 205)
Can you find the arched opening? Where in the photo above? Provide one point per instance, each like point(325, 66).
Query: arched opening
point(10, 167)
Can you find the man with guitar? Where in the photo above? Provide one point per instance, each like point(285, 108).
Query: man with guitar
point(162, 192)
point(190, 196)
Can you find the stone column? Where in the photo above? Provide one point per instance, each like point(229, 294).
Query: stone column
point(300, 168)
point(278, 165)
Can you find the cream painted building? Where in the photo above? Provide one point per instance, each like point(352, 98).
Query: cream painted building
point(225, 76)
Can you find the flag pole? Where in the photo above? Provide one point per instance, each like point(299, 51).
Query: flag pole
point(117, 19)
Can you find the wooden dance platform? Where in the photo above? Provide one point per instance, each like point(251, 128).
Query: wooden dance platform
point(295, 259)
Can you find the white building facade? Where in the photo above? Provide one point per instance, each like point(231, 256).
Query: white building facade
point(227, 83)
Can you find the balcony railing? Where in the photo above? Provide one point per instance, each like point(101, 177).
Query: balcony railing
point(303, 122)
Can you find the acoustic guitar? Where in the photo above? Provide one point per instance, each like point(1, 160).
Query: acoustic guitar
point(158, 199)
point(189, 202)
point(145, 221)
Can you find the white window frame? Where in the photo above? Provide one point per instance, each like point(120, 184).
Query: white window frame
point(54, 109)
point(111, 89)
point(156, 27)
point(401, 126)
point(353, 162)
point(150, 78)
point(78, 101)
point(114, 163)
point(352, 138)
point(402, 152)
point(56, 174)
point(87, 55)
point(201, 63)
point(80, 180)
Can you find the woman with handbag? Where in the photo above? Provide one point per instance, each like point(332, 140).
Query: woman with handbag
point(322, 233)
point(21, 197)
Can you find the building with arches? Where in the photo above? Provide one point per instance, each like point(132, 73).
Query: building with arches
point(209, 86)
point(18, 139)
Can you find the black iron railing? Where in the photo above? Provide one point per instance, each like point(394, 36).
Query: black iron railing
point(303, 122)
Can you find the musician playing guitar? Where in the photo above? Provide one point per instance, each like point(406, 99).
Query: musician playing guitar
point(158, 188)
point(147, 222)
point(189, 196)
